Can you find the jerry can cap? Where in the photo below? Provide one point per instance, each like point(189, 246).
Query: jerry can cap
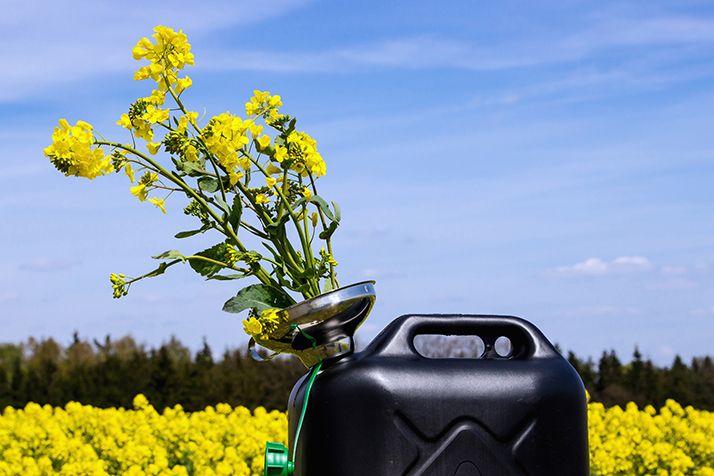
point(276, 460)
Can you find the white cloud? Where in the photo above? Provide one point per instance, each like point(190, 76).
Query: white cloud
point(7, 296)
point(46, 265)
point(665, 351)
point(682, 277)
point(598, 311)
point(58, 42)
point(431, 52)
point(675, 283)
point(703, 312)
point(616, 32)
point(381, 274)
point(673, 270)
point(600, 267)
point(403, 53)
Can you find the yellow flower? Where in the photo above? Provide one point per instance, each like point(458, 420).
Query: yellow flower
point(82, 439)
point(159, 203)
point(73, 151)
point(153, 147)
point(306, 193)
point(124, 121)
point(183, 84)
point(155, 115)
point(143, 48)
point(251, 108)
point(142, 73)
point(327, 257)
point(139, 191)
point(272, 169)
point(281, 152)
point(191, 153)
point(262, 103)
point(260, 198)
point(157, 97)
point(167, 55)
point(252, 327)
point(119, 286)
point(270, 319)
point(129, 171)
point(270, 181)
point(190, 117)
point(264, 141)
point(225, 136)
point(306, 158)
point(143, 130)
point(234, 177)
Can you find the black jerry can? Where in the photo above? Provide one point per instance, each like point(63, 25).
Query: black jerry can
point(388, 411)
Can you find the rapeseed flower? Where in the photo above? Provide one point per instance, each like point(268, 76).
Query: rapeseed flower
point(73, 151)
point(80, 440)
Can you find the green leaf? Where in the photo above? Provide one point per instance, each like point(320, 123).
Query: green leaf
point(208, 184)
point(258, 297)
point(322, 203)
point(273, 228)
point(283, 281)
point(276, 255)
point(330, 230)
point(177, 163)
point(170, 254)
point(235, 213)
point(227, 277)
point(158, 271)
point(186, 234)
point(204, 268)
point(305, 287)
point(323, 206)
point(222, 204)
point(281, 267)
point(193, 168)
point(291, 126)
point(327, 285)
point(338, 212)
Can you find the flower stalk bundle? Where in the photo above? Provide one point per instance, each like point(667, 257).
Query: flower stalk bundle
point(253, 176)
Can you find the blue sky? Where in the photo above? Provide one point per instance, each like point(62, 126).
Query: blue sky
point(551, 160)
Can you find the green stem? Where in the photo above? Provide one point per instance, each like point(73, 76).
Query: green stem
point(151, 273)
point(216, 262)
point(328, 241)
point(261, 274)
point(282, 245)
point(254, 230)
point(293, 217)
point(218, 177)
point(259, 211)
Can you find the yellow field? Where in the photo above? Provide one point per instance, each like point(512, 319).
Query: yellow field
point(80, 439)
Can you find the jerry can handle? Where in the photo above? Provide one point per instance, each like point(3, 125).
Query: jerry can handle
point(397, 339)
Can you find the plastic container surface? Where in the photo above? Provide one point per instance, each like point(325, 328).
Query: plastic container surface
point(388, 411)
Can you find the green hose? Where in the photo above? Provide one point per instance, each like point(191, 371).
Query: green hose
point(313, 376)
point(277, 462)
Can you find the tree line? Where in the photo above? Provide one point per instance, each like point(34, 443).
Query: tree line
point(112, 372)
point(612, 382)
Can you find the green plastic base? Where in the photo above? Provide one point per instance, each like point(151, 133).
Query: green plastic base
point(276, 460)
